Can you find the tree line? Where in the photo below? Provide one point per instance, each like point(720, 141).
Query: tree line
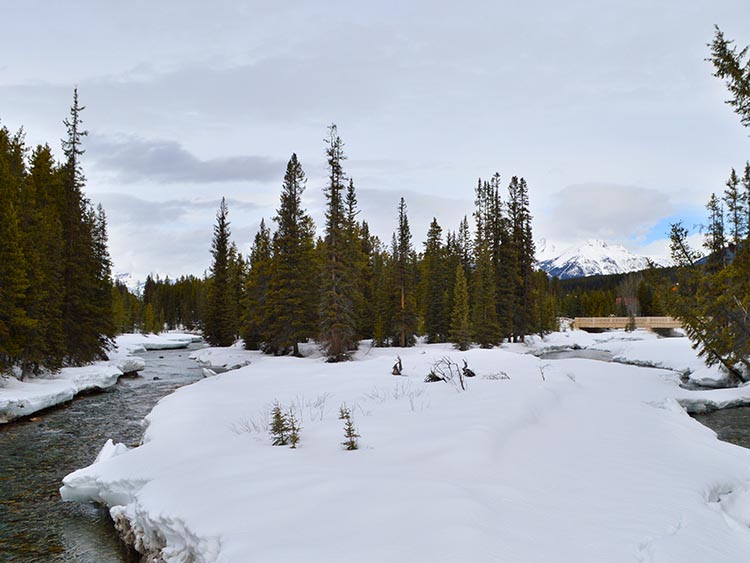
point(55, 281)
point(464, 286)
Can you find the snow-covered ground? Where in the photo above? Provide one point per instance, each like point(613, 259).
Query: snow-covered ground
point(22, 398)
point(537, 461)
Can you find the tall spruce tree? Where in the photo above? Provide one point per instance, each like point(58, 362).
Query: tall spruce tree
point(486, 330)
point(292, 296)
point(735, 206)
point(15, 324)
point(219, 323)
point(338, 323)
point(86, 307)
point(255, 316)
point(460, 334)
point(714, 235)
point(406, 320)
point(434, 286)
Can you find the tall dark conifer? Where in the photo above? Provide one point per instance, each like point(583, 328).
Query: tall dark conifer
point(86, 307)
point(337, 314)
point(403, 257)
point(218, 323)
point(292, 297)
point(255, 308)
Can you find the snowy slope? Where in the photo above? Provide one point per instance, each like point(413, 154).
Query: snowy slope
point(562, 461)
point(594, 257)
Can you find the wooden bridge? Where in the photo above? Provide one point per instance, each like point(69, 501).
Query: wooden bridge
point(622, 322)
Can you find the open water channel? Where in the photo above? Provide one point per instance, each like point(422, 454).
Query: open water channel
point(36, 453)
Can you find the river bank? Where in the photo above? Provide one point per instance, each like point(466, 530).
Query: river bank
point(537, 460)
point(24, 397)
point(37, 452)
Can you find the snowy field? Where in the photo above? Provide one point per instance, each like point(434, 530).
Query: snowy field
point(536, 461)
point(23, 398)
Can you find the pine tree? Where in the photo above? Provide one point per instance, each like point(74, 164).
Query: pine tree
point(350, 431)
point(279, 427)
point(434, 286)
point(714, 236)
point(86, 306)
point(292, 298)
point(484, 308)
point(735, 205)
point(746, 197)
point(337, 314)
point(460, 334)
point(733, 67)
point(14, 321)
point(218, 324)
point(406, 316)
point(255, 306)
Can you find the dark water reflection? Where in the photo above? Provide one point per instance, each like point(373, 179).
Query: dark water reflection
point(732, 425)
point(35, 525)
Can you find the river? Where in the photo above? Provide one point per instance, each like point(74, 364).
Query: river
point(35, 454)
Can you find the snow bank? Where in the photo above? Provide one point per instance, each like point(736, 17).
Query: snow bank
point(22, 398)
point(565, 461)
point(134, 343)
point(217, 360)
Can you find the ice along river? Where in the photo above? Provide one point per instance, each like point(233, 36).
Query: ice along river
point(35, 454)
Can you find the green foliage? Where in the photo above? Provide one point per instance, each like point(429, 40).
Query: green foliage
point(255, 304)
point(280, 428)
point(294, 428)
point(350, 431)
point(291, 301)
point(220, 318)
point(404, 270)
point(460, 334)
point(338, 325)
point(733, 66)
point(56, 295)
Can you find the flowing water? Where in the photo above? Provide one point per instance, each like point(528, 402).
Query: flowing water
point(35, 454)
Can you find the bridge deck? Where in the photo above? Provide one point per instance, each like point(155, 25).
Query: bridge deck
point(622, 322)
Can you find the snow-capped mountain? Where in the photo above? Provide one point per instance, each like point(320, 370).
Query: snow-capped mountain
point(127, 279)
point(593, 258)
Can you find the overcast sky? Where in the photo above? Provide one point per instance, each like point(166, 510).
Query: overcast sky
point(607, 108)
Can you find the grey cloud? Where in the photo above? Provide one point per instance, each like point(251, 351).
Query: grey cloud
point(132, 159)
point(127, 209)
point(608, 211)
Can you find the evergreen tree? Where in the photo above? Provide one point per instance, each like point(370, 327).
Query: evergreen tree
point(337, 314)
point(484, 308)
point(460, 334)
point(406, 317)
point(434, 286)
point(735, 205)
point(15, 323)
point(218, 323)
point(86, 303)
point(746, 197)
point(256, 316)
point(714, 236)
point(292, 297)
point(733, 67)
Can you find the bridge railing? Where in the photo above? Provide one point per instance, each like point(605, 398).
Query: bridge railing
point(622, 322)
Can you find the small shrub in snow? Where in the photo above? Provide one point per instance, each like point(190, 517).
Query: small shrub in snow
point(350, 431)
point(294, 428)
point(280, 429)
point(446, 370)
